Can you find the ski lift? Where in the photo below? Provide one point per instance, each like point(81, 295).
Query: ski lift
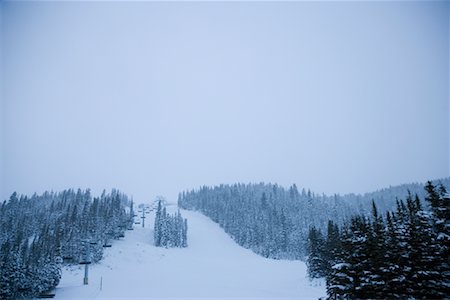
point(107, 246)
point(93, 243)
point(85, 263)
point(67, 258)
point(45, 296)
point(137, 223)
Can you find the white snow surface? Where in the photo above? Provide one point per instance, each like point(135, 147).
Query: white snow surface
point(212, 267)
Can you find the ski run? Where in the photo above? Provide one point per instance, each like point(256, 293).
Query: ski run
point(213, 266)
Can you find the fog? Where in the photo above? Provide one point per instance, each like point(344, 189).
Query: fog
point(154, 98)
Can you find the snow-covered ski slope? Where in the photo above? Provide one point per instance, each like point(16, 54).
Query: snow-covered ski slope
point(212, 267)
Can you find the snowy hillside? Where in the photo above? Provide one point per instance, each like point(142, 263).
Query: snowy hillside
point(213, 266)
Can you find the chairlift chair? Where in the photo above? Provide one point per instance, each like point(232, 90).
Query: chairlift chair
point(67, 258)
point(45, 296)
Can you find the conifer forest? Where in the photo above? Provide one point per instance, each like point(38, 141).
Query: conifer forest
point(401, 254)
point(169, 230)
point(225, 150)
point(361, 250)
point(40, 233)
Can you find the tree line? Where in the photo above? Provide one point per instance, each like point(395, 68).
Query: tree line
point(397, 255)
point(40, 233)
point(273, 221)
point(169, 230)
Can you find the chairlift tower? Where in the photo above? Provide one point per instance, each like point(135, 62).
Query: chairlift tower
point(87, 261)
point(143, 217)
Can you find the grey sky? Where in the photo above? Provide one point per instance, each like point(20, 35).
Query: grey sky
point(154, 98)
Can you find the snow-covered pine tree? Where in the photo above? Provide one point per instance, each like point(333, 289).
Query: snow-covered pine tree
point(340, 280)
point(165, 228)
point(158, 227)
point(274, 222)
point(316, 260)
point(402, 258)
point(441, 221)
point(395, 261)
point(437, 224)
point(331, 245)
point(423, 276)
point(184, 234)
point(169, 230)
point(375, 274)
point(37, 232)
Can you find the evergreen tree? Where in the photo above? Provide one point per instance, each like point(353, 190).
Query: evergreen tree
point(375, 275)
point(332, 245)
point(395, 262)
point(340, 282)
point(441, 221)
point(169, 230)
point(316, 260)
point(158, 225)
point(37, 232)
point(436, 230)
point(184, 234)
point(402, 258)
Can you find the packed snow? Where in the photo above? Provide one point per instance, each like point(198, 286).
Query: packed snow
point(213, 266)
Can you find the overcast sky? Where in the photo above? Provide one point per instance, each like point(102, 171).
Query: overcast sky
point(155, 98)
